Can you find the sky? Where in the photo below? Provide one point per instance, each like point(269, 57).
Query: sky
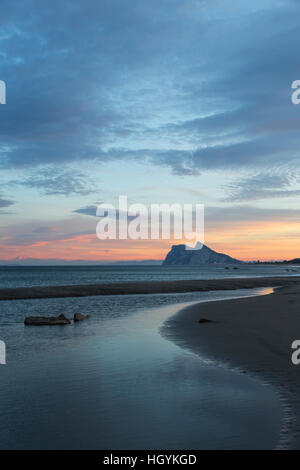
point(165, 101)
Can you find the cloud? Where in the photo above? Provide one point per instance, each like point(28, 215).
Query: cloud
point(44, 229)
point(54, 181)
point(181, 85)
point(222, 217)
point(87, 210)
point(184, 86)
point(267, 185)
point(92, 211)
point(5, 202)
point(29, 235)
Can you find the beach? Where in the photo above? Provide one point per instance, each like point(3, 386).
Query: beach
point(114, 382)
point(137, 288)
point(254, 336)
point(90, 379)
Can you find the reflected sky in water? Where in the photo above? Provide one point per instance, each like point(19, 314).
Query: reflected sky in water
point(114, 382)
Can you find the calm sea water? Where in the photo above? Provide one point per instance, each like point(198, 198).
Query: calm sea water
point(68, 275)
point(114, 382)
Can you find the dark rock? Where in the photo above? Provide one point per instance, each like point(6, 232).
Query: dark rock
point(205, 320)
point(41, 321)
point(201, 254)
point(80, 317)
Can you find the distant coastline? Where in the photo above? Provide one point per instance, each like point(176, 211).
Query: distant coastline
point(179, 255)
point(32, 262)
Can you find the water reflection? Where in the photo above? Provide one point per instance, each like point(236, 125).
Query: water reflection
point(117, 383)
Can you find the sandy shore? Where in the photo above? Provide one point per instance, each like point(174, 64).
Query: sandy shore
point(161, 287)
point(253, 335)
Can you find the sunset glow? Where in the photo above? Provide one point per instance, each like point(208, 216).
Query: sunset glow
point(122, 104)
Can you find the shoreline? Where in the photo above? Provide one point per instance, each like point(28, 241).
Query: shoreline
point(135, 288)
point(253, 336)
point(95, 378)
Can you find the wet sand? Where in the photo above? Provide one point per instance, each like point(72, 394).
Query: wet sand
point(253, 335)
point(134, 288)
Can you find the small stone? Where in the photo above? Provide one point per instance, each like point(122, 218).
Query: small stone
point(80, 317)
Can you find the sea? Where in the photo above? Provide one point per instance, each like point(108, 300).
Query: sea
point(113, 381)
point(27, 276)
